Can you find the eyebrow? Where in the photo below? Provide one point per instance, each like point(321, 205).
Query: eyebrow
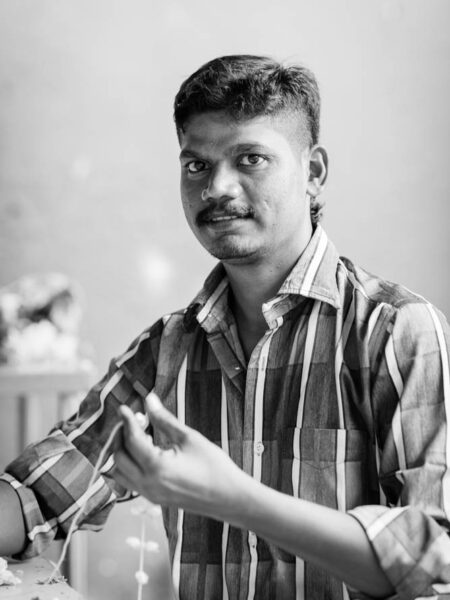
point(186, 153)
point(244, 147)
point(252, 146)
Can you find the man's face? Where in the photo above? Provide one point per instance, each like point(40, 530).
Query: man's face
point(243, 187)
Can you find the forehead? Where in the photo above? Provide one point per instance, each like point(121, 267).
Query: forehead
point(218, 130)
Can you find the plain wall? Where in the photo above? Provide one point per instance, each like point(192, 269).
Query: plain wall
point(89, 167)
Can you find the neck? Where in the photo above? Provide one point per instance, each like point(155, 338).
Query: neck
point(253, 284)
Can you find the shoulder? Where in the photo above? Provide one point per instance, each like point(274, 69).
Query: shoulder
point(407, 317)
point(376, 289)
point(140, 359)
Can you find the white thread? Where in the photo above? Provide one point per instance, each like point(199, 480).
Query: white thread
point(78, 514)
point(141, 581)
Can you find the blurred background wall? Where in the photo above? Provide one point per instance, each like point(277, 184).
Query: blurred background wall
point(89, 168)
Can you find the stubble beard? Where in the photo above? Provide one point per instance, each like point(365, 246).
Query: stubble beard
point(232, 250)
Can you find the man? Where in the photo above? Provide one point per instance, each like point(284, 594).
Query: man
point(301, 449)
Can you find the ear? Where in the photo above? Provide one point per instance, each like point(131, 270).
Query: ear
point(318, 170)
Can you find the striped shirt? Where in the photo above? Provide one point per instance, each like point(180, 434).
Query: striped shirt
point(344, 402)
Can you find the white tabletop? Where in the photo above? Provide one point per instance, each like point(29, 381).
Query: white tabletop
point(31, 572)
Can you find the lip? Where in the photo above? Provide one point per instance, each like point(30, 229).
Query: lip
point(223, 222)
point(213, 217)
point(219, 218)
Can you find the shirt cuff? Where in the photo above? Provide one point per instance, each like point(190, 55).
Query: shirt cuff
point(39, 532)
point(412, 549)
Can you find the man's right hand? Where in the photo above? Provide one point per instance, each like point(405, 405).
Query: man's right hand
point(193, 473)
point(12, 528)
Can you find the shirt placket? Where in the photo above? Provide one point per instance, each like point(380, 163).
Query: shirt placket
point(254, 443)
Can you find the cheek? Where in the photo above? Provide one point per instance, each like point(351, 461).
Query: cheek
point(276, 193)
point(187, 208)
point(191, 190)
point(293, 188)
point(189, 195)
point(191, 210)
point(284, 199)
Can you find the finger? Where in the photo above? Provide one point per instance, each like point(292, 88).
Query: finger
point(130, 421)
point(136, 443)
point(126, 465)
point(124, 481)
point(132, 426)
point(164, 420)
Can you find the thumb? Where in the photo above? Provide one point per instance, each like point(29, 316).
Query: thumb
point(164, 420)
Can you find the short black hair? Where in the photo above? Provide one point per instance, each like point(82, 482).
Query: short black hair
point(247, 86)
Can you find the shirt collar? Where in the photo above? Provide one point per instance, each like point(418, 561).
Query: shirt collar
point(313, 276)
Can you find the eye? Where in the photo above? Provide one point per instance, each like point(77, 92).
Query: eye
point(195, 166)
point(252, 160)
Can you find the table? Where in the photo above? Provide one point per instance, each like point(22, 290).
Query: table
point(31, 572)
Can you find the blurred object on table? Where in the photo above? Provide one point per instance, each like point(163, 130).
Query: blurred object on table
point(32, 573)
point(40, 317)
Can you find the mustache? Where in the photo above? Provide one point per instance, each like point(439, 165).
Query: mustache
point(210, 212)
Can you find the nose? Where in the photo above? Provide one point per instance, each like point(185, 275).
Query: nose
point(223, 184)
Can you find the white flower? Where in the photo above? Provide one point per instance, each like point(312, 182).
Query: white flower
point(141, 577)
point(136, 544)
point(133, 542)
point(151, 546)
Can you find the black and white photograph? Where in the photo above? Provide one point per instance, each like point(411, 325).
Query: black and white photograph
point(224, 300)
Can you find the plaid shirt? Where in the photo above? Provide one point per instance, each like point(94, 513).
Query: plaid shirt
point(344, 402)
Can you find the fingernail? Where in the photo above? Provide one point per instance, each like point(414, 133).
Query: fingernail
point(126, 412)
point(153, 402)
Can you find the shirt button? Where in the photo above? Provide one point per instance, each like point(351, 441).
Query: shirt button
point(259, 448)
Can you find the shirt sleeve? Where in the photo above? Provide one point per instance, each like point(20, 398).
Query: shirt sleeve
point(411, 404)
point(51, 477)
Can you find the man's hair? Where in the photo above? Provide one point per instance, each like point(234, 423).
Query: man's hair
point(247, 86)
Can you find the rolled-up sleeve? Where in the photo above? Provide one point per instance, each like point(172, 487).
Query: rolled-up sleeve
point(411, 403)
point(52, 476)
point(413, 550)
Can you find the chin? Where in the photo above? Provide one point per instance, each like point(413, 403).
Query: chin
point(228, 253)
